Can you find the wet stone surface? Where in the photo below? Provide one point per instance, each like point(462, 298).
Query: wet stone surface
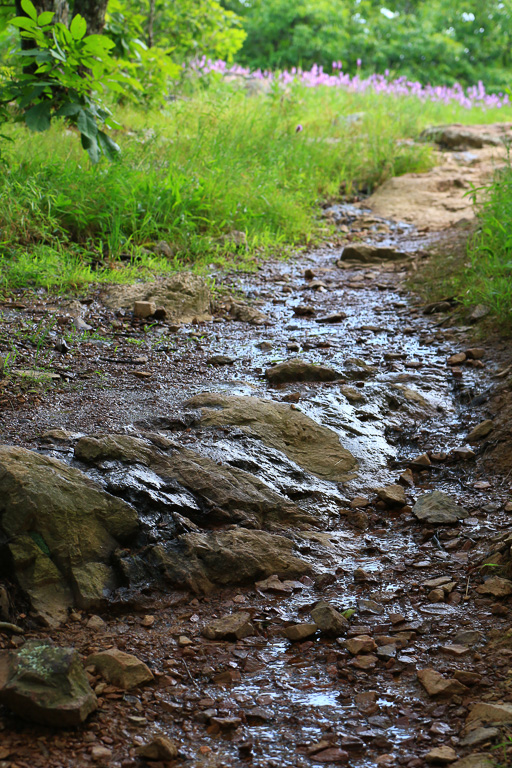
point(235, 520)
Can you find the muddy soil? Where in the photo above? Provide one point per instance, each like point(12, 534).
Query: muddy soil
point(402, 408)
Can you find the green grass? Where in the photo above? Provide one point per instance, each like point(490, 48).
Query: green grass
point(207, 165)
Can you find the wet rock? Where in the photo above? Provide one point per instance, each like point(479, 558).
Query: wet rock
point(354, 396)
point(475, 353)
point(467, 677)
point(392, 495)
point(330, 621)
point(300, 632)
point(304, 311)
point(236, 626)
point(159, 748)
point(480, 431)
point(477, 760)
point(121, 669)
point(460, 137)
point(279, 426)
point(362, 253)
point(330, 755)
point(101, 754)
point(300, 370)
point(495, 586)
point(359, 502)
point(467, 636)
point(244, 313)
point(386, 652)
point(62, 529)
point(125, 448)
point(184, 296)
point(95, 624)
point(421, 462)
point(438, 507)
point(360, 644)
point(438, 686)
point(221, 360)
point(46, 684)
point(479, 736)
point(336, 317)
point(144, 308)
point(457, 358)
point(441, 755)
point(239, 556)
point(357, 370)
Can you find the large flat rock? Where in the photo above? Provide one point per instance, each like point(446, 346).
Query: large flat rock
point(278, 425)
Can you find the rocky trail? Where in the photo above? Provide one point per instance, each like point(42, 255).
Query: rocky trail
point(261, 517)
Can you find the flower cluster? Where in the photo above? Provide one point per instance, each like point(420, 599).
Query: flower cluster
point(475, 96)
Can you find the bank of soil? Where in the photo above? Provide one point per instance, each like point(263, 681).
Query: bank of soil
point(409, 385)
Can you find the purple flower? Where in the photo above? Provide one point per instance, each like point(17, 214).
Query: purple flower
point(299, 128)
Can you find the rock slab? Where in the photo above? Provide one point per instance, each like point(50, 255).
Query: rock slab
point(46, 684)
point(438, 507)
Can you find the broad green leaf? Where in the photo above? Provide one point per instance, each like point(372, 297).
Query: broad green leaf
point(69, 110)
point(22, 23)
point(78, 27)
point(108, 146)
point(92, 147)
point(38, 118)
point(86, 124)
point(45, 18)
point(29, 9)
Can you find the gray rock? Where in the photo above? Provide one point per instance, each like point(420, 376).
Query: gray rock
point(460, 136)
point(247, 314)
point(126, 448)
point(46, 684)
point(479, 736)
point(477, 760)
point(362, 253)
point(300, 370)
point(221, 360)
point(236, 626)
point(330, 621)
point(438, 507)
point(184, 296)
point(480, 431)
point(198, 561)
point(279, 426)
point(62, 529)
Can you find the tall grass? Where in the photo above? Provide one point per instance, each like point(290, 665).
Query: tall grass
point(488, 277)
point(208, 164)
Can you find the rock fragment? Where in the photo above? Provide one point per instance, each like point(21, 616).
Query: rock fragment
point(392, 495)
point(159, 748)
point(495, 586)
point(300, 632)
point(480, 431)
point(300, 370)
point(236, 626)
point(46, 684)
point(441, 755)
point(121, 669)
point(436, 685)
point(438, 507)
point(328, 620)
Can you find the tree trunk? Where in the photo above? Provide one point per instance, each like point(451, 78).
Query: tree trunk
point(151, 22)
point(93, 12)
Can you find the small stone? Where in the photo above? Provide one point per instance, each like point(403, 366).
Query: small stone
point(366, 662)
point(360, 644)
point(330, 755)
point(407, 478)
point(441, 755)
point(300, 370)
point(489, 712)
point(304, 311)
point(148, 621)
point(479, 736)
point(466, 677)
point(235, 626)
point(160, 748)
point(421, 461)
point(95, 623)
point(495, 586)
point(455, 650)
point(142, 374)
point(359, 502)
point(475, 353)
point(184, 641)
point(221, 360)
point(299, 632)
point(457, 359)
point(392, 495)
point(144, 308)
point(336, 317)
point(328, 620)
point(101, 754)
point(438, 507)
point(386, 652)
point(476, 760)
point(480, 431)
point(121, 669)
point(438, 686)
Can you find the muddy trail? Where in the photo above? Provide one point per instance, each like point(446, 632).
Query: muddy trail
point(311, 469)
